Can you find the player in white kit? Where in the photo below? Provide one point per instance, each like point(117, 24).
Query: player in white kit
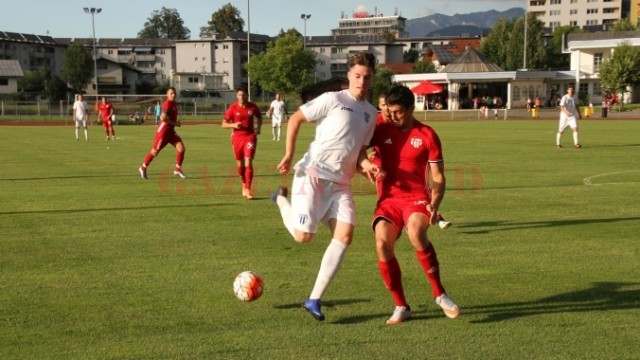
point(80, 116)
point(569, 113)
point(277, 111)
point(321, 189)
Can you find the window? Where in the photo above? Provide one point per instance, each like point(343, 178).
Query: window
point(592, 22)
point(555, 2)
point(194, 80)
point(597, 88)
point(516, 93)
point(574, 1)
point(554, 13)
point(225, 46)
point(583, 90)
point(592, 11)
point(573, 12)
point(597, 60)
point(554, 24)
point(4, 82)
point(573, 23)
point(592, 1)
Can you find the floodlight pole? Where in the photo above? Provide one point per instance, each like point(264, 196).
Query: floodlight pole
point(94, 11)
point(305, 17)
point(248, 49)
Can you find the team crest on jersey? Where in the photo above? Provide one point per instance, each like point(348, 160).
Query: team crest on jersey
point(251, 145)
point(416, 142)
point(250, 112)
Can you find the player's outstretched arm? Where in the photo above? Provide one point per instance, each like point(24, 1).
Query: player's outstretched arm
point(293, 128)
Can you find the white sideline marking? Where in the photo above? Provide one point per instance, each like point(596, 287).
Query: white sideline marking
point(587, 180)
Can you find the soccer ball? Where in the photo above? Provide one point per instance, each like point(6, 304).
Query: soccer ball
point(248, 286)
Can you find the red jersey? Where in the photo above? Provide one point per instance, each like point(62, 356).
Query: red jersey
point(106, 110)
point(243, 115)
point(171, 109)
point(405, 157)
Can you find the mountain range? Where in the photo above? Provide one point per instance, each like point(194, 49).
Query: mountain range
point(472, 24)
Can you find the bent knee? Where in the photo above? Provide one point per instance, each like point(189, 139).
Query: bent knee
point(303, 237)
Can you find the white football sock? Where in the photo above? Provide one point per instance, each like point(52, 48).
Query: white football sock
point(278, 132)
point(329, 267)
point(285, 212)
point(558, 137)
point(575, 138)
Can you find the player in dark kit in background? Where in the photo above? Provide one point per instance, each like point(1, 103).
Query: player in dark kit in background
point(166, 134)
point(244, 137)
point(411, 154)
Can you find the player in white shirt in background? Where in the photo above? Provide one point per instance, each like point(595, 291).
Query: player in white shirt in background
point(569, 113)
point(80, 116)
point(321, 189)
point(277, 111)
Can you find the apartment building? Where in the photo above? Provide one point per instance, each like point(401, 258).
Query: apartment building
point(579, 13)
point(362, 22)
point(212, 65)
point(33, 52)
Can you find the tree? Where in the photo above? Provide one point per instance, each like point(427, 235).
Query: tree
point(623, 25)
point(226, 19)
point(32, 82)
point(285, 66)
point(423, 67)
point(55, 88)
point(536, 48)
point(164, 24)
point(410, 56)
point(77, 66)
point(494, 46)
point(381, 82)
point(555, 58)
point(621, 70)
point(291, 31)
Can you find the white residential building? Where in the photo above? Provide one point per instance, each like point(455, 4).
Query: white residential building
point(579, 13)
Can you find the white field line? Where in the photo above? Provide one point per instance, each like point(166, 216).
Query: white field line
point(587, 180)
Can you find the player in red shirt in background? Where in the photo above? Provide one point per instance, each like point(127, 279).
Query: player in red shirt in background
point(411, 155)
point(106, 111)
point(166, 134)
point(244, 137)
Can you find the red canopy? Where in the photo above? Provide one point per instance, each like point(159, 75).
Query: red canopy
point(426, 87)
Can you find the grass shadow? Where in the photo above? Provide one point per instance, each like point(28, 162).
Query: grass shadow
point(601, 296)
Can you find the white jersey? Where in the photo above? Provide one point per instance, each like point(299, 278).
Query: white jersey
point(277, 110)
point(569, 103)
point(80, 110)
point(344, 126)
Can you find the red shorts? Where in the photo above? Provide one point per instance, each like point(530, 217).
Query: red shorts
point(244, 146)
point(107, 123)
point(398, 210)
point(165, 136)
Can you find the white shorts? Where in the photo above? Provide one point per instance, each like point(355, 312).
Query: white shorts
point(567, 121)
point(315, 200)
point(81, 123)
point(276, 121)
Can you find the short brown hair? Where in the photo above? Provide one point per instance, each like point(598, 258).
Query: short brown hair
point(363, 58)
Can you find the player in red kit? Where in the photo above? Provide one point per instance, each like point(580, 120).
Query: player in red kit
point(166, 134)
point(106, 111)
point(244, 138)
point(411, 156)
point(374, 156)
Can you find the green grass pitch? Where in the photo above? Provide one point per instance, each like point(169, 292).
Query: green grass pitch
point(95, 263)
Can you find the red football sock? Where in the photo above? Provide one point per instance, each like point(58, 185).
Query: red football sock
point(240, 170)
point(248, 176)
point(179, 159)
point(429, 262)
point(392, 277)
point(147, 160)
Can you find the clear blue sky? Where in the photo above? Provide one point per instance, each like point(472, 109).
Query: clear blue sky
point(125, 18)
